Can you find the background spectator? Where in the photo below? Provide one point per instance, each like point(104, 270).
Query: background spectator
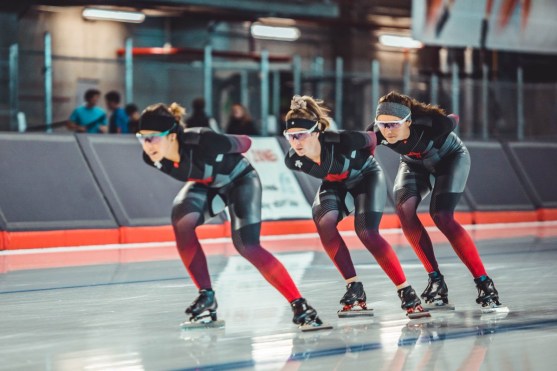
point(199, 118)
point(240, 122)
point(118, 122)
point(88, 117)
point(133, 117)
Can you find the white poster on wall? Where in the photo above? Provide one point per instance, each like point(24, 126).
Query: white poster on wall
point(282, 196)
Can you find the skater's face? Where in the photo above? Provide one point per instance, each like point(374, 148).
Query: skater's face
point(157, 145)
point(303, 141)
point(393, 128)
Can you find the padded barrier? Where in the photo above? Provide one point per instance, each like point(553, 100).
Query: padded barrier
point(389, 161)
point(138, 195)
point(46, 185)
point(494, 189)
point(60, 191)
point(536, 165)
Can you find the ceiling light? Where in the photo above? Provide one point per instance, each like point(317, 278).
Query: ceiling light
point(260, 31)
point(113, 15)
point(399, 41)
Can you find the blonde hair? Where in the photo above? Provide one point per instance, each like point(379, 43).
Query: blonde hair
point(306, 107)
point(177, 111)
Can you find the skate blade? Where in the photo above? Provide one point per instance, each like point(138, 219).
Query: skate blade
point(417, 315)
point(495, 309)
point(436, 306)
point(355, 313)
point(315, 327)
point(188, 325)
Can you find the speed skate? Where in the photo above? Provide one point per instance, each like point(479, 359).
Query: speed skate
point(204, 320)
point(357, 310)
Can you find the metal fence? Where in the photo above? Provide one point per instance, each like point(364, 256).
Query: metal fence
point(46, 87)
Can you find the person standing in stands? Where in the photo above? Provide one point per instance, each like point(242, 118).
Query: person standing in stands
point(344, 161)
point(215, 171)
point(133, 117)
point(88, 118)
point(423, 135)
point(240, 121)
point(118, 121)
point(199, 118)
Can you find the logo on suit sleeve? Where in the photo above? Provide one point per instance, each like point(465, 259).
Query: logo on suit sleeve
point(298, 164)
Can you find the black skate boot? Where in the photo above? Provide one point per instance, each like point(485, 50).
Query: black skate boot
point(411, 303)
point(306, 317)
point(488, 296)
point(355, 296)
point(436, 293)
point(203, 311)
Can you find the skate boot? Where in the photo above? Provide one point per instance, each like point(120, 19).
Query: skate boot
point(203, 311)
point(488, 296)
point(355, 297)
point(411, 303)
point(436, 293)
point(306, 317)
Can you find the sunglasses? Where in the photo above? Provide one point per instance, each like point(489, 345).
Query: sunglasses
point(299, 135)
point(153, 138)
point(391, 124)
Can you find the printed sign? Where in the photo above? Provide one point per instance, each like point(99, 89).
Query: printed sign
point(282, 196)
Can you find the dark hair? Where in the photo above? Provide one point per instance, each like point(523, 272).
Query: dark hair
point(417, 108)
point(112, 96)
point(90, 93)
point(246, 117)
point(161, 117)
point(198, 104)
point(130, 109)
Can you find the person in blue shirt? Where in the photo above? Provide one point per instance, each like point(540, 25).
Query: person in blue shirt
point(118, 122)
point(88, 118)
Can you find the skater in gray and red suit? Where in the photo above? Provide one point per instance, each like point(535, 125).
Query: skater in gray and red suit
point(423, 135)
point(213, 167)
point(344, 161)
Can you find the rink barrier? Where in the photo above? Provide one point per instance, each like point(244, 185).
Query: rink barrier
point(494, 189)
point(45, 184)
point(536, 165)
point(106, 170)
point(136, 193)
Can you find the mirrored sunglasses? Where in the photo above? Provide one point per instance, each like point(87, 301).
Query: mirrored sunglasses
point(391, 124)
point(153, 138)
point(299, 135)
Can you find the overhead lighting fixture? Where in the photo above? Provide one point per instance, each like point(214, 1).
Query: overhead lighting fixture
point(113, 15)
point(274, 21)
point(399, 41)
point(260, 31)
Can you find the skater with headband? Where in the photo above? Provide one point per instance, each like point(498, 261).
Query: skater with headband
point(344, 161)
point(423, 135)
point(213, 169)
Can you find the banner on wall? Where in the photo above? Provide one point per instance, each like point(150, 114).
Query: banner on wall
point(282, 195)
point(513, 25)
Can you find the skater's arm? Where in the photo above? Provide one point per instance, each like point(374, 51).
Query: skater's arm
point(224, 143)
point(443, 125)
point(356, 140)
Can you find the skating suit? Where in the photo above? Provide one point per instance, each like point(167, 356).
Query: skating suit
point(433, 150)
point(352, 181)
point(217, 175)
